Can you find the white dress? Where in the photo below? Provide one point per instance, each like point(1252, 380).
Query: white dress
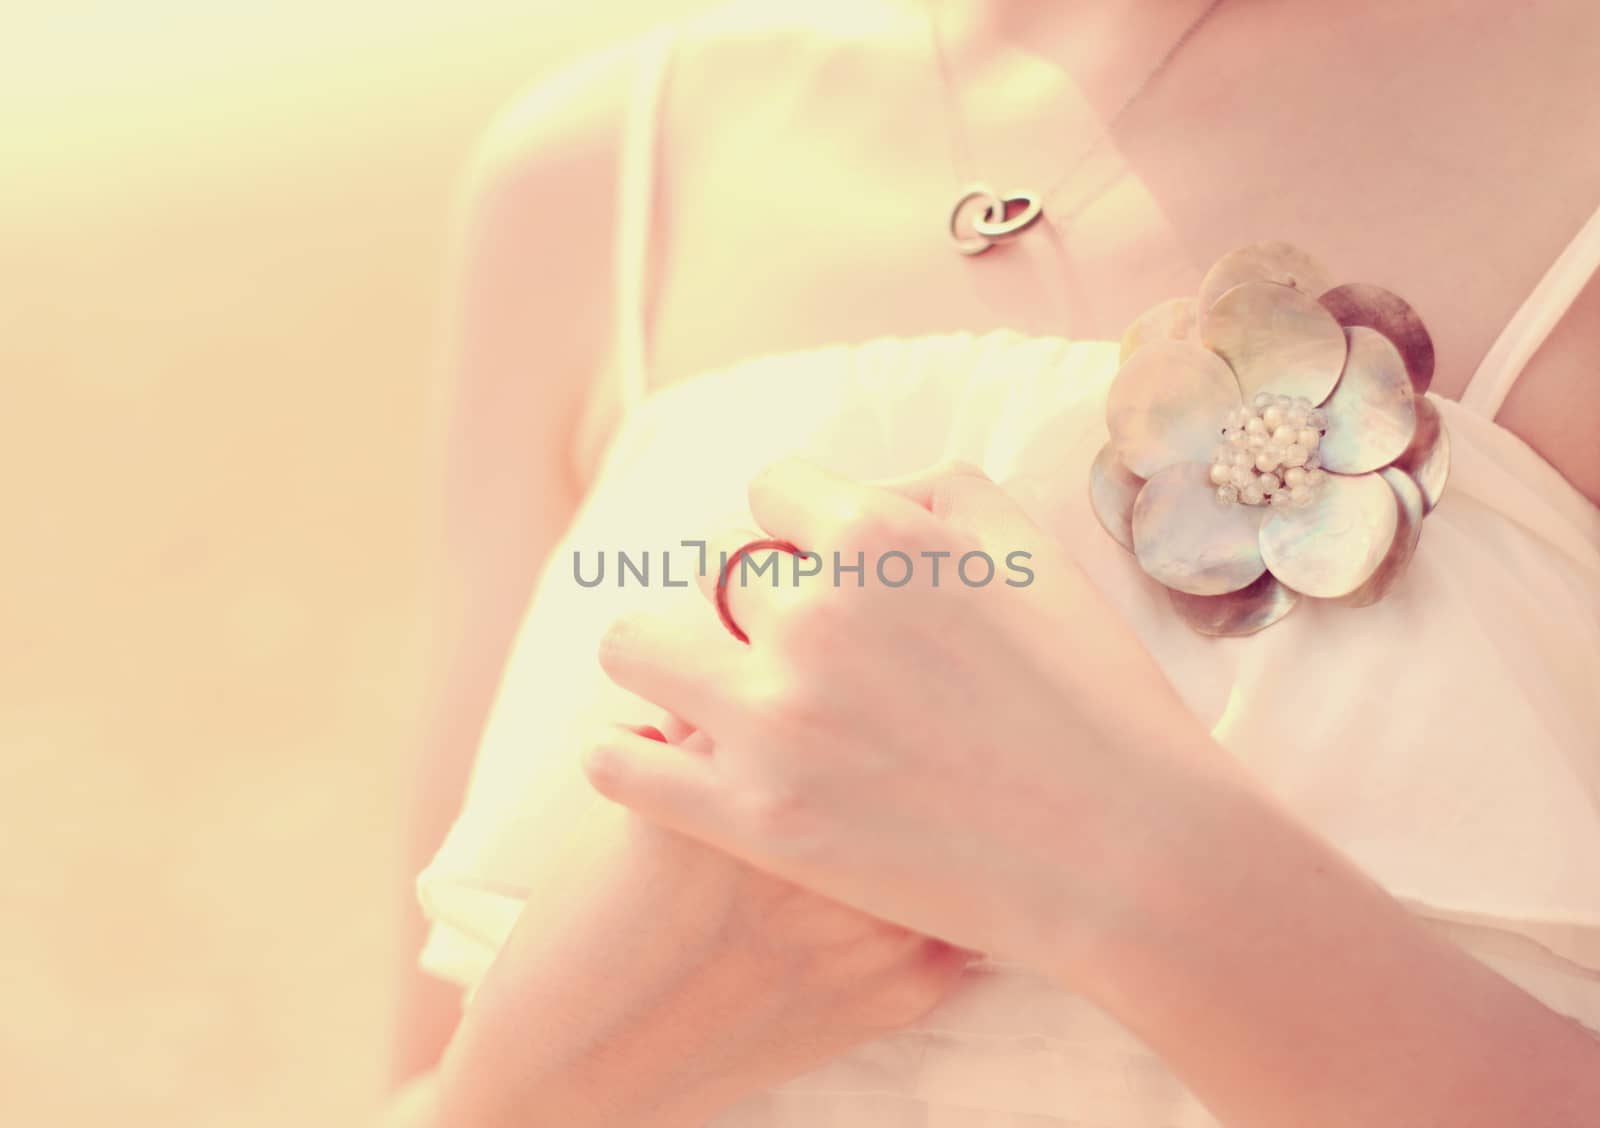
point(1449, 741)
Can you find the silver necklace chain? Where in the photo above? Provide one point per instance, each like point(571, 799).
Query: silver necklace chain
point(995, 224)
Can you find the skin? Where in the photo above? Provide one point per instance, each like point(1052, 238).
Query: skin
point(741, 981)
point(1448, 224)
point(514, 411)
point(934, 755)
point(1420, 177)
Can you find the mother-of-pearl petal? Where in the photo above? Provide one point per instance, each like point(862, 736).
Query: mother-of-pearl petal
point(1406, 537)
point(1427, 459)
point(1168, 404)
point(1371, 417)
point(1276, 339)
point(1187, 539)
point(1280, 263)
point(1113, 488)
point(1241, 612)
point(1332, 546)
point(1358, 303)
point(1172, 320)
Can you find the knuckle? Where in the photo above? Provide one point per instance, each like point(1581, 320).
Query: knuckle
point(947, 492)
point(815, 625)
point(808, 706)
point(958, 542)
point(865, 527)
point(782, 704)
point(780, 815)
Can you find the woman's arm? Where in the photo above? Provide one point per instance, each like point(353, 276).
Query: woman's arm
point(609, 1005)
point(651, 981)
point(528, 311)
point(1029, 783)
point(1286, 987)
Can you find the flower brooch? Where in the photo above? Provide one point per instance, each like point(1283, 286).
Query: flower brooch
point(1271, 440)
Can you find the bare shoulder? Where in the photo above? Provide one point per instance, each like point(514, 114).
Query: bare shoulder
point(532, 256)
point(738, 76)
point(524, 339)
point(1555, 404)
point(561, 138)
point(549, 157)
point(566, 123)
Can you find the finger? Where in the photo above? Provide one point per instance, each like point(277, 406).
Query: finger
point(698, 743)
point(657, 780)
point(687, 737)
point(674, 661)
point(809, 505)
point(920, 485)
point(1013, 540)
point(675, 728)
point(961, 494)
point(748, 575)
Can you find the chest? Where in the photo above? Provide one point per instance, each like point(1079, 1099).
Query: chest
point(817, 212)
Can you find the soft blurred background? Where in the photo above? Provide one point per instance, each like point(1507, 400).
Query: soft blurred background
point(223, 229)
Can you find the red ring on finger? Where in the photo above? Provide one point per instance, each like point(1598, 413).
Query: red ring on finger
point(722, 578)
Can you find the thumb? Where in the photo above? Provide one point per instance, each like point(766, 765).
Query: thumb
point(921, 486)
point(961, 493)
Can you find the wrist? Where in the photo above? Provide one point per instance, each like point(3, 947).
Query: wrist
point(1165, 863)
point(1284, 985)
point(1220, 869)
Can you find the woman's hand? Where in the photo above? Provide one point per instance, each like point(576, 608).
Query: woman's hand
point(1003, 765)
point(1007, 768)
point(670, 980)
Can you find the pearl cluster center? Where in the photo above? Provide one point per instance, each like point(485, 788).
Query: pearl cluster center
point(1269, 453)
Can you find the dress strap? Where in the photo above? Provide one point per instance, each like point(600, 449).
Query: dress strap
point(1533, 321)
point(635, 211)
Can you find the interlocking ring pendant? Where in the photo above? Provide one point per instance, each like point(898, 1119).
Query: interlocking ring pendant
point(991, 226)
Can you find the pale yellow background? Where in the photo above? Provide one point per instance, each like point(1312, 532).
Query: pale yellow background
point(222, 234)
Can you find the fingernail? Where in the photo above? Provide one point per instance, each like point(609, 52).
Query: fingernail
point(649, 731)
